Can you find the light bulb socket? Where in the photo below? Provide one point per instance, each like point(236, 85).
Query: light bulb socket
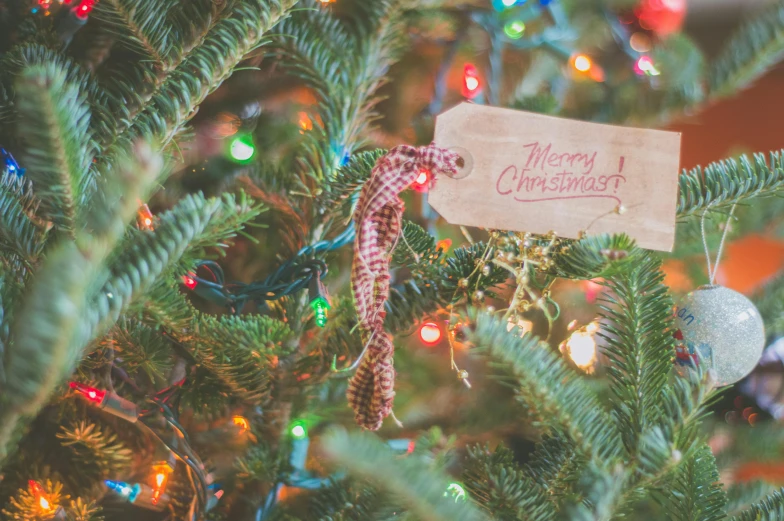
point(147, 498)
point(119, 407)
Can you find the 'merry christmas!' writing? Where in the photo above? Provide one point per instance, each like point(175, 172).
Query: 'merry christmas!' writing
point(551, 175)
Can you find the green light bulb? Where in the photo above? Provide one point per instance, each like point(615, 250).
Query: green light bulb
point(320, 307)
point(514, 29)
point(298, 430)
point(457, 491)
point(242, 148)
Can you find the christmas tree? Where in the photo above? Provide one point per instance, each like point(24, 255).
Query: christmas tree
point(184, 333)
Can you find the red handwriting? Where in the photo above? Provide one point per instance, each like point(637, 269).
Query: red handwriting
point(549, 175)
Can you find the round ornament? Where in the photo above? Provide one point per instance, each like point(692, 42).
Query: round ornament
point(721, 328)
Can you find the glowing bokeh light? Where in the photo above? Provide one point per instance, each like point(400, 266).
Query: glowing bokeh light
point(430, 333)
point(582, 63)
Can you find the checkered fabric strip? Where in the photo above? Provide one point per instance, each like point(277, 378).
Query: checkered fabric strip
point(378, 221)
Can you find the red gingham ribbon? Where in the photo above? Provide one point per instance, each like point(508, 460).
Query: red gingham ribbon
point(378, 222)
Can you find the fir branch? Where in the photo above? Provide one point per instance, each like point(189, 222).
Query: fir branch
point(545, 383)
point(600, 256)
point(754, 48)
point(694, 494)
point(241, 351)
point(497, 484)
point(235, 31)
point(18, 233)
point(769, 509)
point(416, 249)
point(349, 500)
point(347, 181)
point(602, 492)
point(33, 55)
point(639, 347)
point(345, 64)
point(139, 262)
point(165, 306)
point(234, 213)
point(97, 452)
point(555, 467)
point(54, 123)
point(420, 488)
point(770, 303)
point(38, 356)
point(143, 26)
point(141, 347)
point(741, 495)
point(722, 184)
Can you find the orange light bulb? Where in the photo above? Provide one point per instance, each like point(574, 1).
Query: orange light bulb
point(241, 422)
point(582, 63)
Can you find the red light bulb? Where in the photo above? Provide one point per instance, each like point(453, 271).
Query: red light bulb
point(430, 333)
point(472, 86)
point(422, 181)
point(91, 393)
point(189, 281)
point(84, 8)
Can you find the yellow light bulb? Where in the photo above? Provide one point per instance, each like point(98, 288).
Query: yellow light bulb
point(44, 503)
point(160, 478)
point(582, 63)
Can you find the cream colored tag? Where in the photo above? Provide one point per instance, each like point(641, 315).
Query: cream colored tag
point(535, 173)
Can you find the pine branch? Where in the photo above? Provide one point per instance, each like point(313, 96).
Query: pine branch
point(741, 495)
point(694, 494)
point(48, 334)
point(141, 347)
point(769, 509)
point(241, 351)
point(347, 181)
point(419, 487)
point(33, 55)
point(98, 453)
point(349, 500)
point(497, 484)
point(54, 123)
point(37, 358)
point(601, 256)
point(135, 267)
point(546, 384)
point(722, 184)
point(770, 303)
point(754, 48)
point(639, 348)
point(143, 27)
point(602, 492)
point(345, 64)
point(555, 467)
point(234, 213)
point(18, 233)
point(235, 31)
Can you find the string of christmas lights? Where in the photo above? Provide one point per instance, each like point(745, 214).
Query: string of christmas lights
point(305, 270)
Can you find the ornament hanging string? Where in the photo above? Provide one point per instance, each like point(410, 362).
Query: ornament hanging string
point(712, 271)
point(378, 217)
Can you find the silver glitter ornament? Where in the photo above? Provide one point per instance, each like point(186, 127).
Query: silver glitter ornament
point(724, 328)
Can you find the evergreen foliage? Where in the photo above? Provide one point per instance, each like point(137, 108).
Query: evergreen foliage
point(97, 120)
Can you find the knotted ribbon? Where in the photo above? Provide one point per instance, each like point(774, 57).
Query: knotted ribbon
point(378, 223)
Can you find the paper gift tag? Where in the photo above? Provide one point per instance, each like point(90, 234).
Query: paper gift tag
point(535, 173)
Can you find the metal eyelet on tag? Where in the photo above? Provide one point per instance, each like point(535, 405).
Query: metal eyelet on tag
point(465, 163)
